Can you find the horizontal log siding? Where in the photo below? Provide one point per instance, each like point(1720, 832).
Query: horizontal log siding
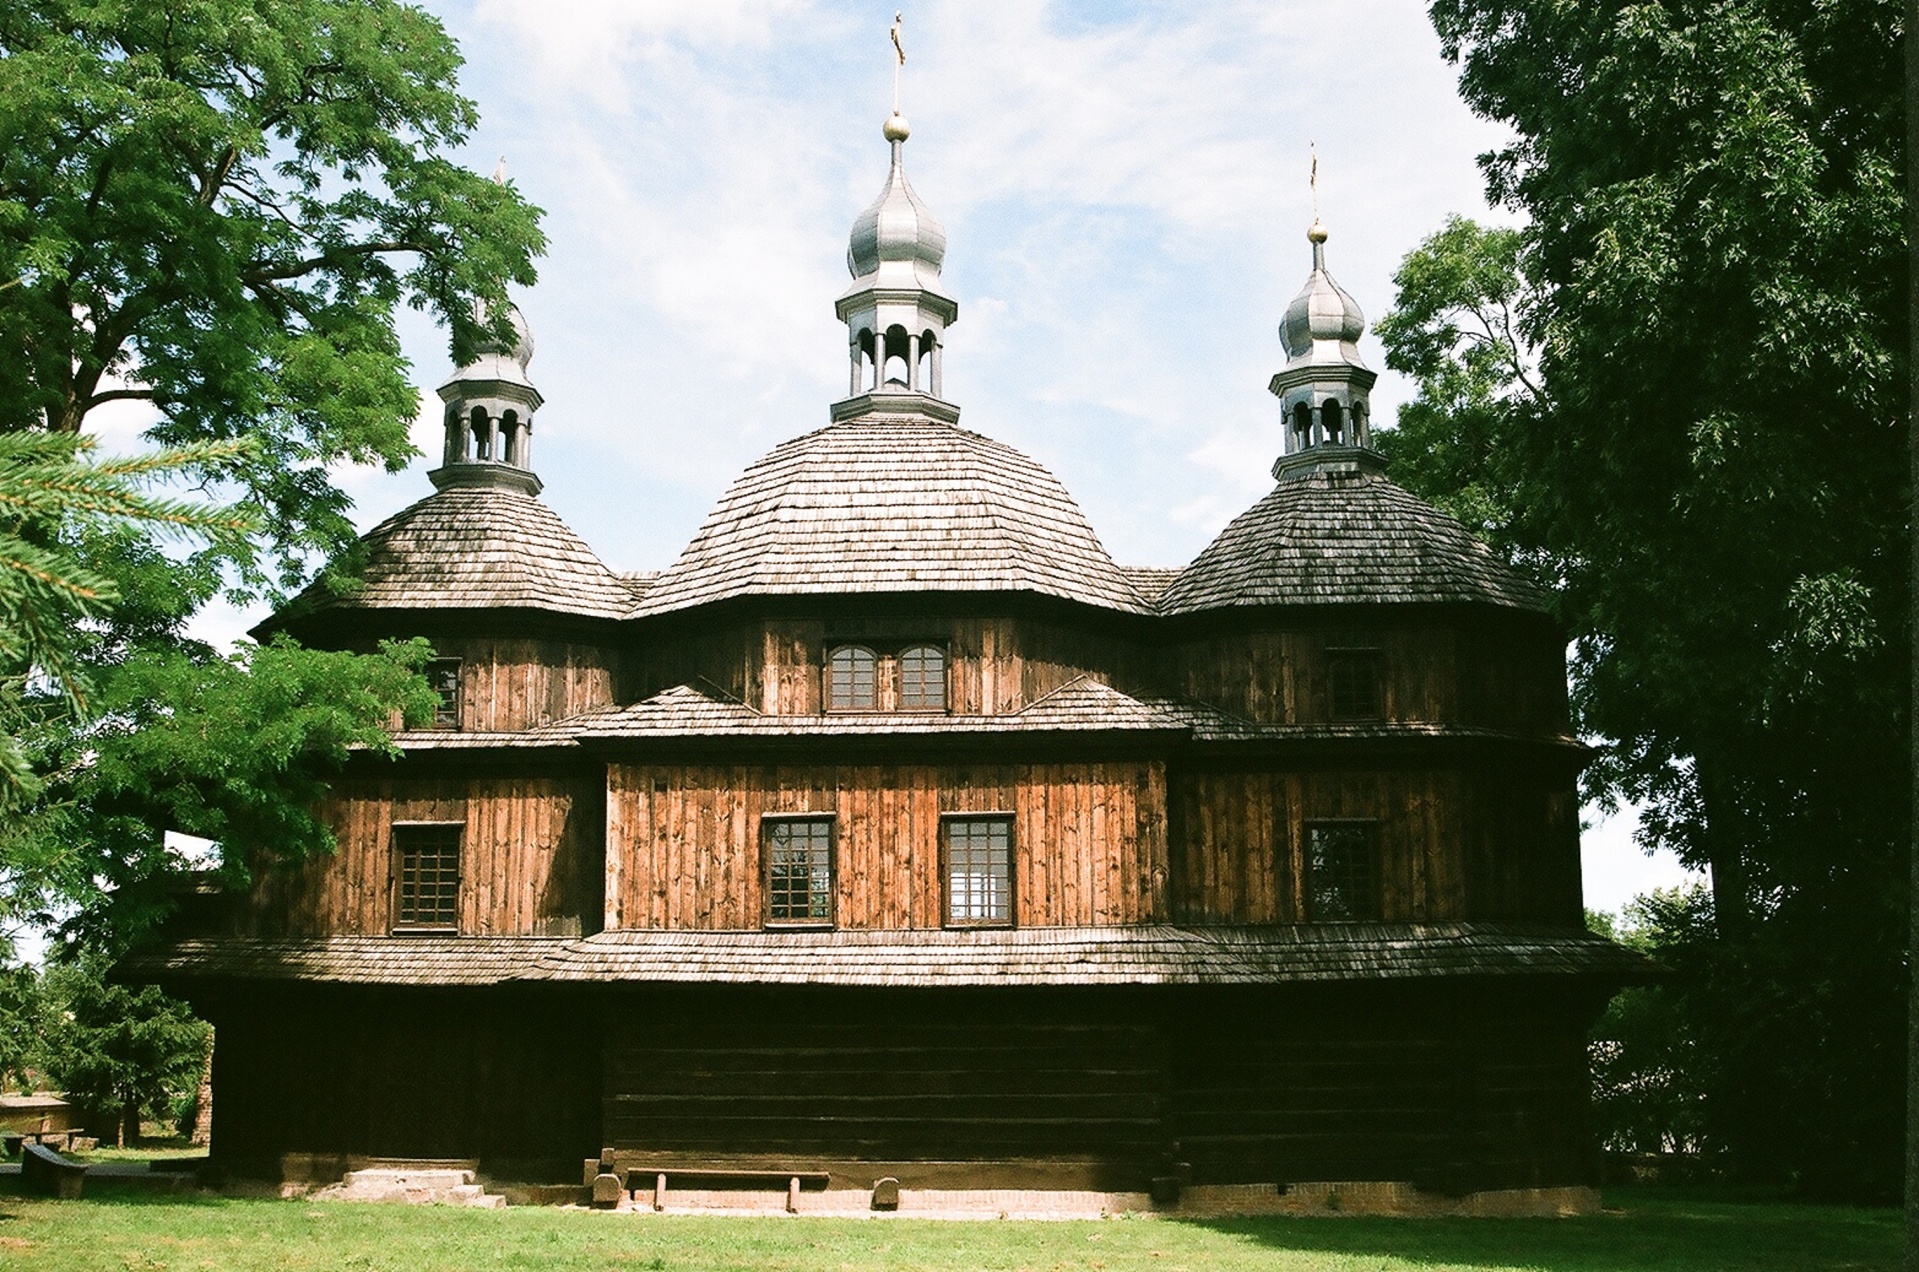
point(797, 1076)
point(1484, 674)
point(1454, 844)
point(521, 683)
point(530, 858)
point(684, 841)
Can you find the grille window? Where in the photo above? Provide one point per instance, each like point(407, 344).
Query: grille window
point(427, 876)
point(1353, 676)
point(852, 679)
point(979, 871)
point(923, 678)
point(444, 675)
point(1342, 872)
point(799, 870)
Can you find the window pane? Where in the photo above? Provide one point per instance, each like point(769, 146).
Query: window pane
point(1342, 873)
point(1355, 686)
point(851, 676)
point(799, 871)
point(923, 679)
point(979, 870)
point(429, 876)
point(444, 675)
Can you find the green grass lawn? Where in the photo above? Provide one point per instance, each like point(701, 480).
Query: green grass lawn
point(1642, 1229)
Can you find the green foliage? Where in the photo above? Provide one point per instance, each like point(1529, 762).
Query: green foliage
point(1651, 1078)
point(215, 206)
point(19, 1024)
point(1698, 440)
point(116, 1052)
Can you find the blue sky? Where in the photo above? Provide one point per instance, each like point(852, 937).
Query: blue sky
point(1124, 191)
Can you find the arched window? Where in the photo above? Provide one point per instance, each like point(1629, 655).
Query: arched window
point(510, 436)
point(1335, 423)
point(852, 679)
point(896, 371)
point(480, 448)
point(1302, 425)
point(923, 678)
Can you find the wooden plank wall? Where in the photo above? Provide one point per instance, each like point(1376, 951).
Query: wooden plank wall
point(684, 840)
point(1454, 844)
point(531, 860)
point(996, 665)
point(1486, 675)
point(519, 683)
point(705, 1074)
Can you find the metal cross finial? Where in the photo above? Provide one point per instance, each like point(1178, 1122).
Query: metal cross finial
point(499, 172)
point(899, 57)
point(1313, 180)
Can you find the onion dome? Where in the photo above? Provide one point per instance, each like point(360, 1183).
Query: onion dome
point(890, 504)
point(471, 547)
point(1323, 323)
point(897, 238)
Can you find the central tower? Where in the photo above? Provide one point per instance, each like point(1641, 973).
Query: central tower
point(896, 313)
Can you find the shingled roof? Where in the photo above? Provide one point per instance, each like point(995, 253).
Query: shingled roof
point(479, 547)
point(1026, 956)
point(893, 504)
point(1343, 537)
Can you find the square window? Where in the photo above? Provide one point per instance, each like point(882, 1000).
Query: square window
point(426, 874)
point(1342, 872)
point(799, 870)
point(1353, 678)
point(443, 674)
point(979, 871)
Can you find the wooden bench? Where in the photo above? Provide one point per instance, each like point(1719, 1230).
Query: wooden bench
point(792, 1182)
point(44, 1171)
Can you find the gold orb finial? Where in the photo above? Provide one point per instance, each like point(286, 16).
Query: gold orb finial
point(1316, 233)
point(896, 129)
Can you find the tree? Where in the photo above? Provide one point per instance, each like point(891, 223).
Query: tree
point(1708, 468)
point(213, 207)
point(115, 1051)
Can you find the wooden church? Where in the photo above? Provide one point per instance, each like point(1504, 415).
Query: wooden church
point(896, 831)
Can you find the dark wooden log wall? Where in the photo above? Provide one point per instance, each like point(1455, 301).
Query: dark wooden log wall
point(1456, 1088)
point(1487, 672)
point(507, 1075)
point(511, 683)
point(825, 1076)
point(530, 857)
point(684, 840)
point(1455, 843)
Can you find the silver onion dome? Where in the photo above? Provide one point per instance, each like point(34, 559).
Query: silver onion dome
point(897, 237)
point(521, 350)
point(1323, 324)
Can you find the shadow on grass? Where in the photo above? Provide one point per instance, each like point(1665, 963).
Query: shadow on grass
point(1641, 1230)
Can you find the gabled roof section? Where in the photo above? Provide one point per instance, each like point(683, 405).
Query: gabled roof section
point(478, 547)
point(1346, 537)
point(893, 504)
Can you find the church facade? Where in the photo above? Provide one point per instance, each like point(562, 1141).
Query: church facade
point(894, 830)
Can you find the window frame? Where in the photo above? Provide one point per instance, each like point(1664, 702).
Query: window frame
point(452, 721)
point(1368, 656)
point(827, 704)
point(768, 823)
point(945, 679)
point(398, 924)
point(1375, 882)
point(947, 822)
